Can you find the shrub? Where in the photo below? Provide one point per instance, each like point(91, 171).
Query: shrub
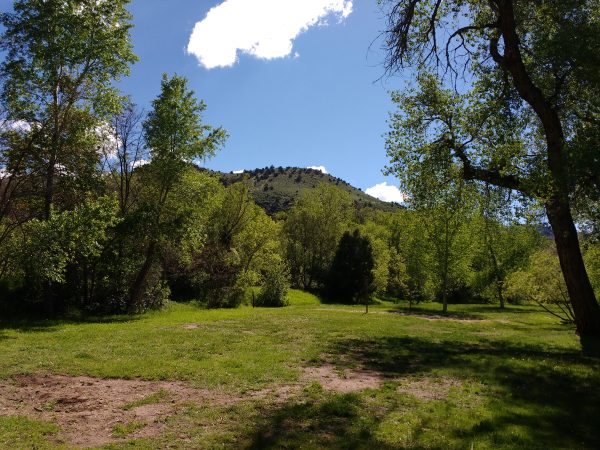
point(274, 288)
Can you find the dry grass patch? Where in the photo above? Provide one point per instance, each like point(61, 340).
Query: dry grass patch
point(429, 388)
point(343, 380)
point(93, 411)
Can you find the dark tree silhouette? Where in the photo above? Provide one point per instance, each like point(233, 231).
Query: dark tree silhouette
point(350, 277)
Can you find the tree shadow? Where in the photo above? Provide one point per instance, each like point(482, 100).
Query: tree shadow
point(553, 394)
point(325, 420)
point(430, 314)
point(41, 325)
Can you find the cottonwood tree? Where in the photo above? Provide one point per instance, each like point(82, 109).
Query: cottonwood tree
point(175, 136)
point(435, 189)
point(521, 80)
point(61, 59)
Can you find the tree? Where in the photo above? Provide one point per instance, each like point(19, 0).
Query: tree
point(408, 238)
point(241, 242)
point(124, 152)
point(350, 278)
point(528, 119)
point(437, 191)
point(505, 245)
point(312, 231)
point(175, 135)
point(62, 56)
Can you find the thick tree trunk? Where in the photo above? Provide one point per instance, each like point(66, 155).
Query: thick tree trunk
point(581, 293)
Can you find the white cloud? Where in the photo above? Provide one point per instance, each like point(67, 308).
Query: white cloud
point(140, 163)
point(265, 29)
point(238, 171)
point(386, 192)
point(319, 168)
point(20, 126)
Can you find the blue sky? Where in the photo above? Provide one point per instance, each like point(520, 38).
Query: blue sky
point(321, 105)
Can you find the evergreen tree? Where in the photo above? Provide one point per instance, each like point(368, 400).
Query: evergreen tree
point(351, 276)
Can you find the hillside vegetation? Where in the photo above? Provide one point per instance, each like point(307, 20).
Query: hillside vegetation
point(277, 188)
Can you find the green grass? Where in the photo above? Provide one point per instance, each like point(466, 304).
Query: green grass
point(125, 429)
point(516, 377)
point(18, 432)
point(151, 399)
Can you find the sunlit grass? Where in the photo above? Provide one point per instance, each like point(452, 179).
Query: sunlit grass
point(510, 379)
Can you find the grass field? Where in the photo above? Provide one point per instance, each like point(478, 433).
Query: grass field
point(308, 376)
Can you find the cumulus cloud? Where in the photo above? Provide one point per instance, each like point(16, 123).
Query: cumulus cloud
point(238, 171)
point(386, 192)
point(319, 168)
point(265, 29)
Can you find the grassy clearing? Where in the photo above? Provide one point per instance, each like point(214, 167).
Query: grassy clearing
point(479, 378)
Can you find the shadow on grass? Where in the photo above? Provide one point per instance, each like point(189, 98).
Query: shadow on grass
point(431, 314)
point(37, 325)
point(325, 420)
point(553, 395)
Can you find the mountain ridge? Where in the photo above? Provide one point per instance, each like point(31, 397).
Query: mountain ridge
point(276, 189)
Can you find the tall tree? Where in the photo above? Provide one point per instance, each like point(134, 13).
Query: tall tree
point(61, 59)
point(176, 136)
point(350, 279)
point(522, 112)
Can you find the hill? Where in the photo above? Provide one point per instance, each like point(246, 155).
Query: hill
point(277, 188)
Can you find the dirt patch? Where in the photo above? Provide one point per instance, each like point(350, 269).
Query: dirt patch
point(343, 380)
point(88, 409)
point(429, 388)
point(191, 326)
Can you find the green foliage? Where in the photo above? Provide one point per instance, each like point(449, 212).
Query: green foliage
point(275, 286)
point(542, 282)
point(350, 279)
point(66, 52)
point(498, 100)
point(592, 262)
point(175, 133)
point(76, 236)
point(312, 230)
point(61, 60)
point(407, 239)
point(378, 236)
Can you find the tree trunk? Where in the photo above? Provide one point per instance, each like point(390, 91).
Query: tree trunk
point(581, 293)
point(49, 191)
point(558, 209)
point(137, 289)
point(500, 294)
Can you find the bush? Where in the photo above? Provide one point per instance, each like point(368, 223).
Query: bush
point(275, 288)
